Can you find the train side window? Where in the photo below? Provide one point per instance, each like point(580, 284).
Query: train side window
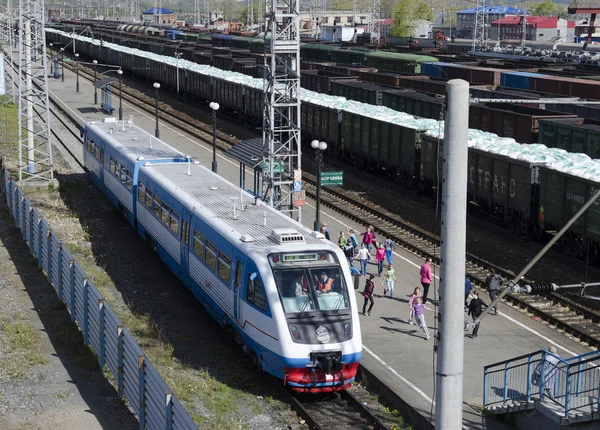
point(199, 245)
point(128, 180)
point(165, 213)
point(185, 232)
point(174, 223)
point(149, 197)
point(238, 274)
point(211, 255)
point(112, 166)
point(141, 192)
point(224, 268)
point(156, 206)
point(101, 156)
point(123, 175)
point(256, 293)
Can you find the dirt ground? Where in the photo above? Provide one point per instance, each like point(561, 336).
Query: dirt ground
point(48, 378)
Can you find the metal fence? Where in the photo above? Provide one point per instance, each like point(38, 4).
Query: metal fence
point(137, 379)
point(573, 383)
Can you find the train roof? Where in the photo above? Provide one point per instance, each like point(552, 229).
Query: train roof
point(132, 141)
point(211, 197)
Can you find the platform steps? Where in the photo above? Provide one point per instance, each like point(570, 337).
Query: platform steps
point(583, 409)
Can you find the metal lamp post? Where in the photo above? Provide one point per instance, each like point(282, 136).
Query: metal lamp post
point(215, 107)
point(157, 131)
point(77, 71)
point(95, 79)
point(319, 147)
point(62, 63)
point(120, 73)
point(178, 55)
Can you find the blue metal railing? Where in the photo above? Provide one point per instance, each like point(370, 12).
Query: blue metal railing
point(572, 383)
point(137, 379)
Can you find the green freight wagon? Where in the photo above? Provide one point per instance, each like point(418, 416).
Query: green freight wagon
point(397, 62)
point(349, 55)
point(573, 135)
point(365, 92)
point(380, 145)
point(561, 196)
point(414, 103)
point(316, 52)
point(321, 123)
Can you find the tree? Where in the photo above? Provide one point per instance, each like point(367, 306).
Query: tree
point(406, 13)
point(548, 8)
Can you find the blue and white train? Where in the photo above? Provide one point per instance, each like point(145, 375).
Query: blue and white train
point(286, 291)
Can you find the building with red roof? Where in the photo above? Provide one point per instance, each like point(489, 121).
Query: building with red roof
point(539, 28)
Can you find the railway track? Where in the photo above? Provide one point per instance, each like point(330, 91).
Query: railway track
point(564, 314)
point(335, 411)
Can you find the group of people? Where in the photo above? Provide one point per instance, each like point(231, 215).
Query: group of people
point(416, 303)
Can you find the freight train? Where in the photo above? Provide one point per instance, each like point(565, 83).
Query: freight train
point(284, 290)
point(384, 143)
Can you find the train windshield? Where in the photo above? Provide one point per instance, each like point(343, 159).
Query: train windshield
point(306, 289)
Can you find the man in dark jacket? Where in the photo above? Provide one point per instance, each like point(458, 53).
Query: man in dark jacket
point(476, 307)
point(468, 288)
point(493, 285)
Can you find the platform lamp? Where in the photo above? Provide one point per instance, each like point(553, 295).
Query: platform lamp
point(157, 131)
point(77, 71)
point(120, 73)
point(319, 147)
point(215, 107)
point(95, 78)
point(62, 63)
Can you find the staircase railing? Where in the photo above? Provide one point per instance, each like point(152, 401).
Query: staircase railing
point(573, 383)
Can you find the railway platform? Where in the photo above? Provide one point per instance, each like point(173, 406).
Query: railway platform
point(394, 351)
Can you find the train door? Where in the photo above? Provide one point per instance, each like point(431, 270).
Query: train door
point(237, 291)
point(185, 246)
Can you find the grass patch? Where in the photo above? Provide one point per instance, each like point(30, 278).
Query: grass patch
point(69, 341)
point(21, 343)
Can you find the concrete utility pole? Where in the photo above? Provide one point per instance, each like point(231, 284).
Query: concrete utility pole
point(450, 338)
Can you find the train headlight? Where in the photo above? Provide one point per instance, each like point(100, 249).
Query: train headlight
point(296, 337)
point(348, 330)
point(323, 334)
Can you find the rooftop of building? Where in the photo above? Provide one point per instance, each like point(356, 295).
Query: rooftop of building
point(536, 21)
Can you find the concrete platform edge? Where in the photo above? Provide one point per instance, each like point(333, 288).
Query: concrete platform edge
point(373, 377)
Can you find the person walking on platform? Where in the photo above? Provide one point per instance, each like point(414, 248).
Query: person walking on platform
point(352, 240)
point(389, 247)
point(419, 306)
point(325, 231)
point(368, 237)
point(476, 307)
point(349, 253)
point(389, 279)
point(380, 257)
point(411, 301)
point(468, 288)
point(368, 295)
point(342, 241)
point(493, 285)
point(426, 277)
point(364, 256)
point(549, 367)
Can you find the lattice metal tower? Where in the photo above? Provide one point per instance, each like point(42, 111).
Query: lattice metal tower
point(524, 29)
point(281, 127)
point(479, 30)
point(318, 9)
point(8, 42)
point(35, 147)
point(374, 15)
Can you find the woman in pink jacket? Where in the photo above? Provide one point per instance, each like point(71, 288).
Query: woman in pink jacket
point(426, 278)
